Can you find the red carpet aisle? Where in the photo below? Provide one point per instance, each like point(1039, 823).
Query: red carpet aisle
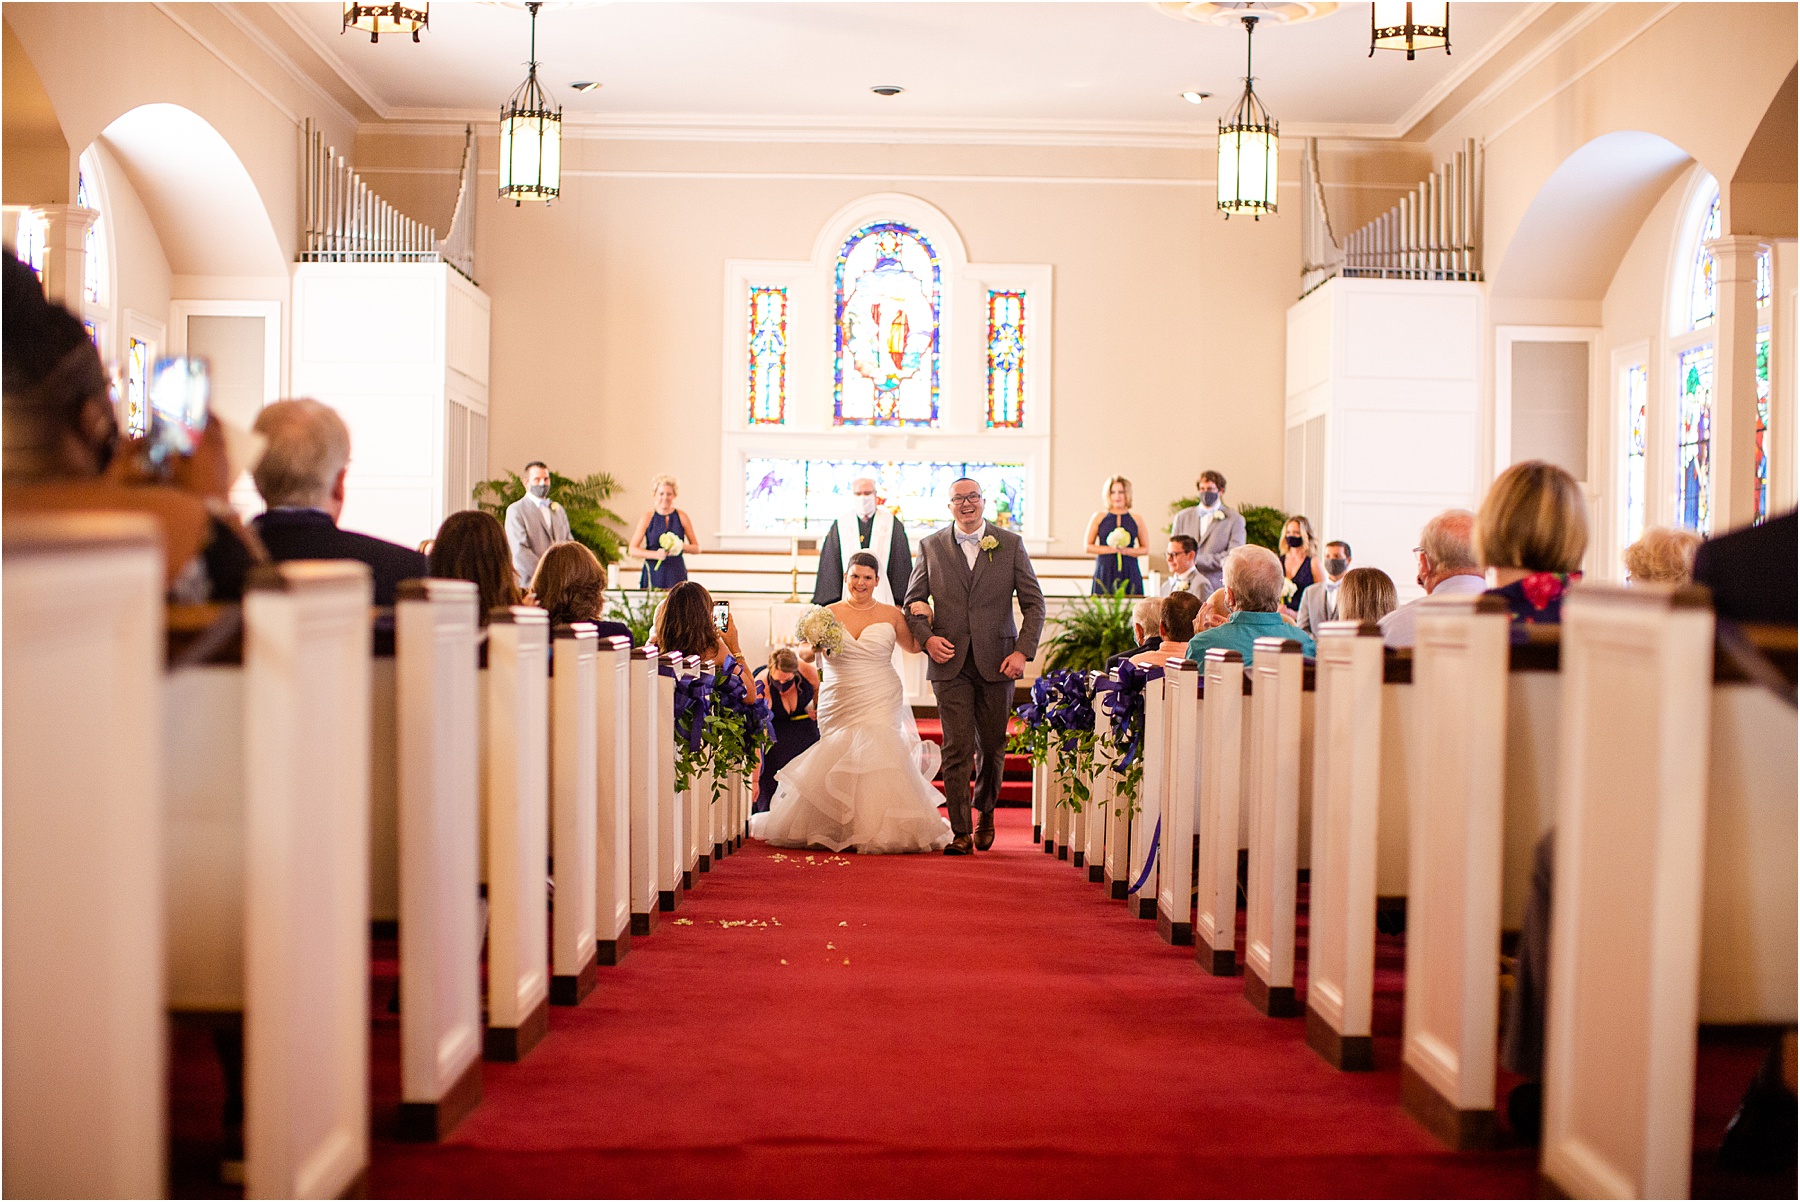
point(927, 1026)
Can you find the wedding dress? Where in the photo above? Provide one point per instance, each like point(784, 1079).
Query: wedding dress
point(867, 782)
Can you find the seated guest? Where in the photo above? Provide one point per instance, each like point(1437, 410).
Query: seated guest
point(685, 624)
point(1751, 572)
point(471, 545)
point(1664, 555)
point(570, 585)
point(791, 688)
point(63, 451)
point(1253, 580)
point(1146, 627)
point(1184, 577)
point(1321, 604)
point(301, 479)
point(1366, 595)
point(1447, 567)
point(1531, 532)
point(1178, 613)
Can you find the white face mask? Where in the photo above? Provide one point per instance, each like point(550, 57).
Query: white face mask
point(864, 505)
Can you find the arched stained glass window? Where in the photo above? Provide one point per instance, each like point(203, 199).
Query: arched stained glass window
point(768, 355)
point(1637, 443)
point(889, 302)
point(1703, 294)
point(1693, 439)
point(92, 290)
point(1006, 359)
point(137, 388)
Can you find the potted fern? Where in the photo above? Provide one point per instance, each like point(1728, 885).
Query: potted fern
point(591, 523)
point(1089, 631)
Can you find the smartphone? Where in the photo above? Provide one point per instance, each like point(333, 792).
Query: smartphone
point(180, 389)
point(721, 615)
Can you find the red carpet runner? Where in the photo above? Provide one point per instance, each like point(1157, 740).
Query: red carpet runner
point(922, 1026)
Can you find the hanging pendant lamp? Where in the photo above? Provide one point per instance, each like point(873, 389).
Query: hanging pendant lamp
point(530, 137)
point(377, 19)
point(1409, 25)
point(1249, 145)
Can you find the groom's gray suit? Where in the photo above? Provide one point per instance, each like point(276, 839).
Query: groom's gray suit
point(973, 608)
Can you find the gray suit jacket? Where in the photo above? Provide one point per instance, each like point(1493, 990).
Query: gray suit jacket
point(1312, 608)
point(526, 535)
point(973, 607)
point(1226, 532)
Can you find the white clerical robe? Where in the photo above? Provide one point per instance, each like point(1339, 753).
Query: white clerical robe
point(881, 541)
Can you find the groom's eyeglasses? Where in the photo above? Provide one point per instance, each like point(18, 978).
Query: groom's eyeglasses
point(968, 498)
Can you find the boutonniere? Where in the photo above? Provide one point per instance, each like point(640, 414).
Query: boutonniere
point(988, 543)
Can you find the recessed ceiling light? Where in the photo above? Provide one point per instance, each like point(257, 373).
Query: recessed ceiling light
point(586, 85)
point(1193, 97)
point(887, 89)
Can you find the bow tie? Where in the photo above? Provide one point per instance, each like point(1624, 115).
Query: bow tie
point(969, 538)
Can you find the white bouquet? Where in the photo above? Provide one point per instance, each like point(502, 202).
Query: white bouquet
point(1287, 592)
point(1120, 537)
point(671, 543)
point(820, 627)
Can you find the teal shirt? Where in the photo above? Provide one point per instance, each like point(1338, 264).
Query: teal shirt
point(1242, 630)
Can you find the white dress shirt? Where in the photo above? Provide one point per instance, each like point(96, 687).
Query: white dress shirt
point(970, 544)
point(1401, 628)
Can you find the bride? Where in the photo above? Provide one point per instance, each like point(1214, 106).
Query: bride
point(867, 782)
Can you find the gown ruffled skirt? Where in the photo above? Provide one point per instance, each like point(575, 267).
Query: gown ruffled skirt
point(867, 782)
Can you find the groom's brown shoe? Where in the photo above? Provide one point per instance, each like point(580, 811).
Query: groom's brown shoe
point(984, 831)
point(959, 846)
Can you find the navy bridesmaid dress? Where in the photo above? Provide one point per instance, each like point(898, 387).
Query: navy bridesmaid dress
point(669, 572)
point(1115, 567)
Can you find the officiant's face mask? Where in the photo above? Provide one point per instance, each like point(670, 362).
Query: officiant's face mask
point(865, 504)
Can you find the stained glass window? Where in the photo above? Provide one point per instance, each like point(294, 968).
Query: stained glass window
point(1006, 359)
point(1762, 424)
point(1703, 301)
point(768, 355)
point(783, 496)
point(1693, 443)
point(889, 300)
point(30, 241)
point(1637, 430)
point(137, 385)
point(93, 331)
point(1765, 283)
point(90, 282)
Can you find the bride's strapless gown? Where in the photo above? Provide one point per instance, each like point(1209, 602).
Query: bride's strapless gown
point(867, 782)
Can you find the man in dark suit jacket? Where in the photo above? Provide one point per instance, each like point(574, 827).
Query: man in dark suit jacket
point(301, 479)
point(970, 571)
point(1751, 571)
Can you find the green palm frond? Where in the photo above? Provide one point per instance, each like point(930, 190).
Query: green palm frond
point(1090, 631)
point(591, 523)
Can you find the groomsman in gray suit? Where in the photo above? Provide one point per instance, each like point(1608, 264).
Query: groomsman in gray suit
point(1215, 528)
point(969, 572)
point(1319, 604)
point(534, 522)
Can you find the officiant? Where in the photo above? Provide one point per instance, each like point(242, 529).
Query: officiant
point(867, 527)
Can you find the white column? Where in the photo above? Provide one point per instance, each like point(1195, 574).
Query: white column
point(65, 253)
point(1734, 381)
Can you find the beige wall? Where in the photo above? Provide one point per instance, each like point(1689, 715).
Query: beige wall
point(140, 270)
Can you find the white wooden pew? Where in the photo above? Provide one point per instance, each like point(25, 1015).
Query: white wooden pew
point(695, 804)
point(1454, 890)
point(1040, 794)
point(672, 841)
point(436, 733)
point(85, 1041)
point(1346, 822)
point(1273, 803)
point(306, 845)
point(1186, 771)
point(1221, 741)
point(646, 775)
point(1121, 822)
point(1073, 848)
point(517, 797)
point(574, 811)
point(1143, 847)
point(1102, 794)
point(612, 779)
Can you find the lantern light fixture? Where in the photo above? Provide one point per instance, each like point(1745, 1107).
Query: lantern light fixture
point(530, 137)
point(377, 19)
point(1409, 25)
point(1249, 145)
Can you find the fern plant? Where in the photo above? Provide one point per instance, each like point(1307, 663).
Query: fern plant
point(591, 523)
point(1262, 523)
point(1091, 630)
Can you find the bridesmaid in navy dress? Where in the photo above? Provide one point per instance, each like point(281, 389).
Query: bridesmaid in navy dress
point(1117, 565)
point(662, 569)
point(791, 687)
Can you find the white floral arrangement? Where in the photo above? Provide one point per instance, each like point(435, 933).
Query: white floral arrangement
point(1119, 539)
point(1287, 592)
point(671, 543)
point(988, 543)
point(820, 627)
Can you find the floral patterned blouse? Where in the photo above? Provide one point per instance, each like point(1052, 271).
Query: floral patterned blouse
point(1536, 600)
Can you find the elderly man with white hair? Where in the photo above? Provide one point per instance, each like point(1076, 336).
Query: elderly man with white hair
point(1253, 580)
point(870, 527)
point(1447, 567)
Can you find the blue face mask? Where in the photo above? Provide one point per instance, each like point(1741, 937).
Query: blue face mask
point(1208, 499)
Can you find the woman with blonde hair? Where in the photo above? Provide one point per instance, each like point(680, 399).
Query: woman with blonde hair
point(1366, 595)
point(570, 585)
point(791, 687)
point(1664, 555)
point(1116, 542)
point(662, 538)
point(1299, 553)
point(1531, 533)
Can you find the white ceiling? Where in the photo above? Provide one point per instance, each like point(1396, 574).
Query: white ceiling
point(1028, 65)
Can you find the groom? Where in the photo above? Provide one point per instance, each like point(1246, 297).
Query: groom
point(969, 571)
